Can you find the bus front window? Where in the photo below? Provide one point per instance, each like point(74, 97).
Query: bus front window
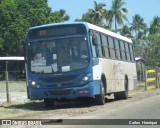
point(58, 55)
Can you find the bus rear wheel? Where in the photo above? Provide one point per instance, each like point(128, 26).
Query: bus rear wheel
point(49, 103)
point(100, 99)
point(124, 94)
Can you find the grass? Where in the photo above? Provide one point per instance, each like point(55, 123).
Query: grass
point(2, 83)
point(14, 86)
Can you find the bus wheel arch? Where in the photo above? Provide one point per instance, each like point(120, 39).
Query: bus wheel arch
point(100, 98)
point(126, 87)
point(104, 80)
point(123, 94)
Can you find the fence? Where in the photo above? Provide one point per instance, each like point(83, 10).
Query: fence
point(152, 78)
point(158, 76)
point(12, 86)
point(13, 75)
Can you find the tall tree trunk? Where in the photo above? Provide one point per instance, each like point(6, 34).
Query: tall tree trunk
point(116, 23)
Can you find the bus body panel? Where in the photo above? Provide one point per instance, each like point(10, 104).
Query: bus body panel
point(89, 90)
point(115, 72)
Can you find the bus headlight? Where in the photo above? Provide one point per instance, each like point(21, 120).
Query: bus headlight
point(86, 79)
point(35, 84)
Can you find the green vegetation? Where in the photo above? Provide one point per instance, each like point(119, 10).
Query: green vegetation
point(146, 39)
point(16, 16)
point(117, 13)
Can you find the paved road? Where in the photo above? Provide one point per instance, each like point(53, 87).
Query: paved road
point(148, 108)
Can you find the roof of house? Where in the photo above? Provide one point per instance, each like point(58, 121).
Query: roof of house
point(139, 58)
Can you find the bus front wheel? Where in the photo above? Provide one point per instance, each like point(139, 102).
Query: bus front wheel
point(100, 99)
point(49, 103)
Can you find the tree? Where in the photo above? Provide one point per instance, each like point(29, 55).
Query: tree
point(58, 16)
point(153, 47)
point(139, 29)
point(125, 31)
point(16, 16)
point(155, 26)
point(8, 16)
point(153, 51)
point(95, 16)
point(35, 11)
point(138, 25)
point(117, 13)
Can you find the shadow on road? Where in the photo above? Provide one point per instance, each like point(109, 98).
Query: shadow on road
point(39, 105)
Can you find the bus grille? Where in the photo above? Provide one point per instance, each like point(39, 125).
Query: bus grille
point(59, 79)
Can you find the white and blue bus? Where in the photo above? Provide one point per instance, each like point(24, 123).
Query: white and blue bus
point(78, 60)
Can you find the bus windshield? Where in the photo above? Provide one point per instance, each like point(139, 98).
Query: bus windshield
point(58, 55)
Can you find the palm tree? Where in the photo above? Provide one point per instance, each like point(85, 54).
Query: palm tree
point(63, 15)
point(86, 17)
point(138, 25)
point(125, 31)
point(117, 13)
point(155, 26)
point(140, 29)
point(96, 15)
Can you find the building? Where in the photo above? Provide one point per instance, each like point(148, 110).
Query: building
point(140, 63)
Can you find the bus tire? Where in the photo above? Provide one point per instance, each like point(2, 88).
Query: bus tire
point(124, 94)
point(49, 103)
point(100, 99)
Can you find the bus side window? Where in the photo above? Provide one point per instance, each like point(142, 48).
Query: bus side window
point(94, 49)
point(127, 51)
point(112, 47)
point(130, 58)
point(122, 50)
point(118, 53)
point(131, 52)
point(105, 46)
point(99, 45)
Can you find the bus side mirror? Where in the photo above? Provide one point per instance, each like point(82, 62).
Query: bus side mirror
point(94, 41)
point(95, 61)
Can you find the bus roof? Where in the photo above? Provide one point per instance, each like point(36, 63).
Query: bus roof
point(105, 31)
point(89, 26)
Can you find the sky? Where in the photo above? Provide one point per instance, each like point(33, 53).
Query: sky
point(75, 8)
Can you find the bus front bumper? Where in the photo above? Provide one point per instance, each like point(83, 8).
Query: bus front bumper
point(89, 90)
